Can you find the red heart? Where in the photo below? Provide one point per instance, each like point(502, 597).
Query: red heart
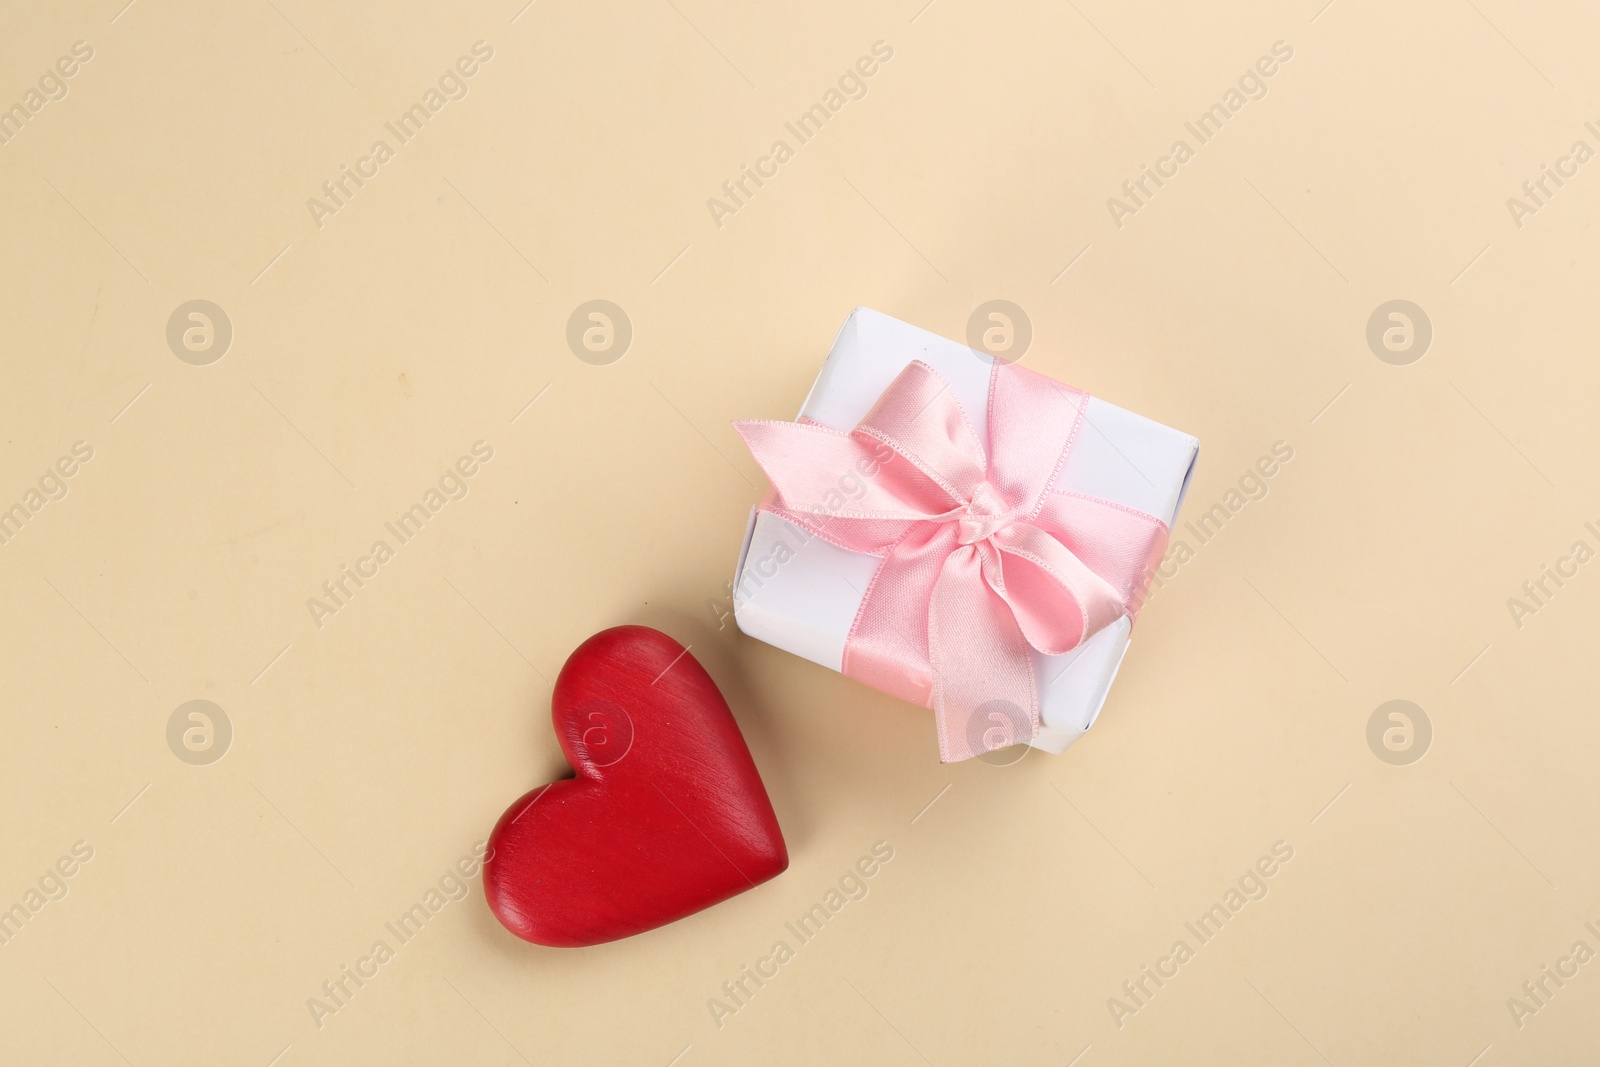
point(667, 814)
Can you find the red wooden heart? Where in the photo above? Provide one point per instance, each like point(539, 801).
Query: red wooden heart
point(667, 814)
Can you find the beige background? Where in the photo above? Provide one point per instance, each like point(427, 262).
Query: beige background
point(369, 353)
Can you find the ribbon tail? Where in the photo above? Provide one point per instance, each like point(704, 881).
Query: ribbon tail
point(887, 647)
point(984, 693)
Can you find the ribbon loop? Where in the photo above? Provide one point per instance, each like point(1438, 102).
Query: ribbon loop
point(981, 562)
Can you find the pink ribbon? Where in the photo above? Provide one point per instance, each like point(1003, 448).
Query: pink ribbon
point(981, 561)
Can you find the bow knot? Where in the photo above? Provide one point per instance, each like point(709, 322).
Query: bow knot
point(984, 516)
point(913, 485)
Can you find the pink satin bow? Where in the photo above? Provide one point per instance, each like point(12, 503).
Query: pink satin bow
point(982, 562)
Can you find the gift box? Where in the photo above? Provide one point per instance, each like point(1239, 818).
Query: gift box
point(960, 532)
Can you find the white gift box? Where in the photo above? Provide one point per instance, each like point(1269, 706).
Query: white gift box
point(801, 593)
